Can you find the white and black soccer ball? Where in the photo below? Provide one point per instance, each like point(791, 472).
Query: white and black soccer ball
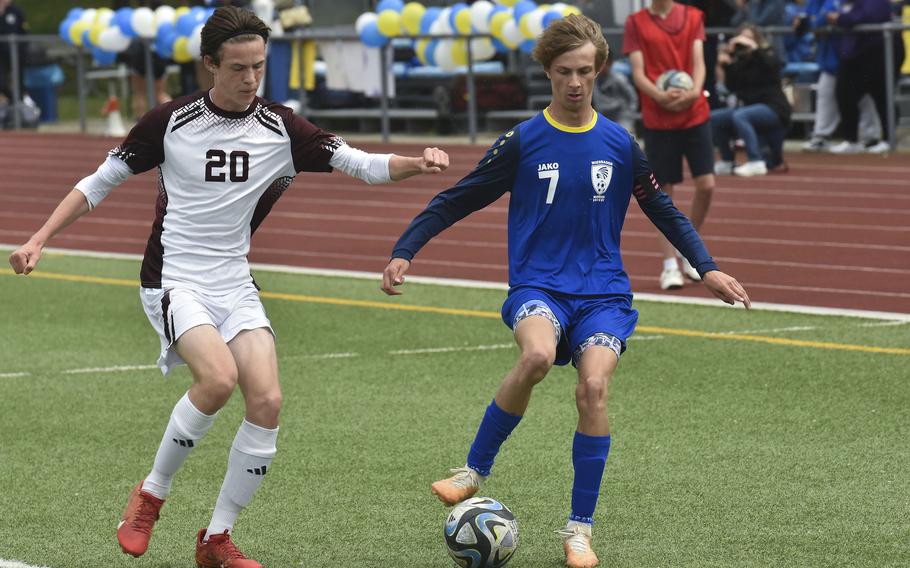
point(481, 532)
point(675, 78)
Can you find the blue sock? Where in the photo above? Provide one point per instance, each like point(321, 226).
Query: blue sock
point(589, 456)
point(495, 427)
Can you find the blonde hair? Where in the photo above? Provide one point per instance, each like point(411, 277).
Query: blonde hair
point(571, 33)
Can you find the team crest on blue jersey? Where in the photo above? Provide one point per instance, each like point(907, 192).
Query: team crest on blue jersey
point(601, 174)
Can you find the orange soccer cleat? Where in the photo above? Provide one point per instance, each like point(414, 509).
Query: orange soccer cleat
point(576, 541)
point(135, 529)
point(463, 485)
point(219, 551)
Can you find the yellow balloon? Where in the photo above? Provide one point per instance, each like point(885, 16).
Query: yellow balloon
point(104, 15)
point(508, 3)
point(460, 52)
point(497, 21)
point(421, 50)
point(389, 23)
point(523, 26)
point(181, 11)
point(411, 15)
point(463, 21)
point(569, 10)
point(181, 50)
point(94, 32)
point(76, 30)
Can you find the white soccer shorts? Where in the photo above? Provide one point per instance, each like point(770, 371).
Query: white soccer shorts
point(173, 311)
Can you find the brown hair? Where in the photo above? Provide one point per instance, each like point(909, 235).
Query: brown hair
point(759, 37)
point(571, 33)
point(229, 24)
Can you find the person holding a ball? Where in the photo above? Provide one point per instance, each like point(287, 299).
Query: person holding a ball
point(661, 37)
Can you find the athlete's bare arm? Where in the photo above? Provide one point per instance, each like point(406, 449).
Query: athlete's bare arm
point(73, 206)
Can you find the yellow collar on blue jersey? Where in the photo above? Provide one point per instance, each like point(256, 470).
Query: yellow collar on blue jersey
point(573, 129)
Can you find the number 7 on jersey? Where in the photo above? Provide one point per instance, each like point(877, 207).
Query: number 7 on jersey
point(553, 176)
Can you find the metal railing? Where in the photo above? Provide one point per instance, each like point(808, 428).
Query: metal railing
point(79, 53)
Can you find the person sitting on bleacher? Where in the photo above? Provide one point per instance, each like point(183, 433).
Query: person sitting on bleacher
point(752, 73)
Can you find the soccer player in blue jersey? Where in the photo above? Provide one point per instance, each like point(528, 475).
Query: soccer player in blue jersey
point(571, 174)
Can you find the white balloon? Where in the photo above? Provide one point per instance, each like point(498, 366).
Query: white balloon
point(194, 42)
point(511, 35)
point(440, 27)
point(144, 22)
point(112, 39)
point(89, 15)
point(443, 55)
point(559, 7)
point(480, 15)
point(363, 20)
point(535, 22)
point(443, 19)
point(482, 49)
point(165, 13)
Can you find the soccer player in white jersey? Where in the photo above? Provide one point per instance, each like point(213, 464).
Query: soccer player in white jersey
point(224, 157)
point(571, 174)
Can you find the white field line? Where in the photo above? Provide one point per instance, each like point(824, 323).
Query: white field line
point(114, 369)
point(451, 349)
point(345, 355)
point(16, 564)
point(11, 376)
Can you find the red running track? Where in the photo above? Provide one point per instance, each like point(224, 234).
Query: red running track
point(833, 232)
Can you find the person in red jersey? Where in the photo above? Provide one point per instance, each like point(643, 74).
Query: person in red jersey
point(661, 37)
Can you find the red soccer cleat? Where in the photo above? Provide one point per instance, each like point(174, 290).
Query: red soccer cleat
point(135, 529)
point(220, 552)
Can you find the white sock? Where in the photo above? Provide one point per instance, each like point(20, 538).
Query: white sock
point(670, 263)
point(184, 430)
point(251, 455)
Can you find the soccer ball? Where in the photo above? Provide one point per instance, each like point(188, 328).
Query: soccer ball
point(481, 533)
point(675, 79)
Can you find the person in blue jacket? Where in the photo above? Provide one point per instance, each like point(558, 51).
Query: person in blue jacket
point(571, 174)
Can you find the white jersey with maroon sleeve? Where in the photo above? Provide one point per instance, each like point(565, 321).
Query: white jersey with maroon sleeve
point(219, 173)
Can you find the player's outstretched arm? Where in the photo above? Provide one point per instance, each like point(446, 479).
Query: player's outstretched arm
point(433, 161)
point(393, 275)
point(73, 206)
point(726, 288)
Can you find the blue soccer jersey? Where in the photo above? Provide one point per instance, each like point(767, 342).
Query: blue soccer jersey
point(571, 187)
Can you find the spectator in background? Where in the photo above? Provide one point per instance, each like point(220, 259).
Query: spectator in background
point(827, 56)
point(763, 13)
point(752, 72)
point(661, 37)
point(615, 97)
point(134, 58)
point(862, 70)
point(12, 22)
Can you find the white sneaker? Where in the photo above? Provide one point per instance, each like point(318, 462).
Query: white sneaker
point(847, 147)
point(723, 168)
point(751, 168)
point(688, 269)
point(880, 147)
point(671, 279)
point(461, 486)
point(576, 542)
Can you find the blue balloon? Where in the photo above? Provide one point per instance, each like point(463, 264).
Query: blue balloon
point(64, 29)
point(124, 19)
point(199, 14)
point(74, 13)
point(186, 23)
point(430, 53)
point(396, 5)
point(500, 47)
point(522, 8)
point(103, 57)
point(164, 41)
point(371, 36)
point(527, 46)
point(458, 7)
point(551, 17)
point(87, 41)
point(428, 18)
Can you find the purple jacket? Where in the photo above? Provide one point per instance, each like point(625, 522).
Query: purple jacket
point(869, 44)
